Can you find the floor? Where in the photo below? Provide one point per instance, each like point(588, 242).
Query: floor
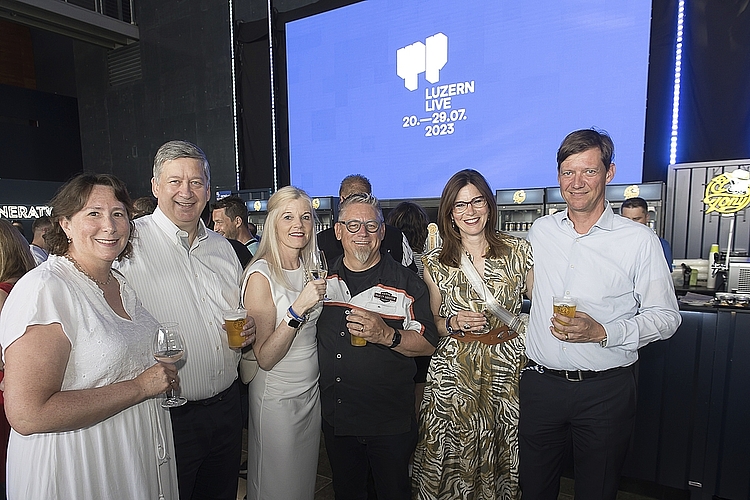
point(630, 489)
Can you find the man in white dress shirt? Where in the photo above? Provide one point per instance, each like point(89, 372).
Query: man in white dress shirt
point(188, 274)
point(579, 387)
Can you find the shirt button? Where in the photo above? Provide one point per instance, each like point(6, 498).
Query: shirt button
point(567, 293)
point(338, 379)
point(342, 333)
point(338, 401)
point(338, 356)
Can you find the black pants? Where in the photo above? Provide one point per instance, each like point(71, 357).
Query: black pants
point(387, 457)
point(594, 416)
point(208, 445)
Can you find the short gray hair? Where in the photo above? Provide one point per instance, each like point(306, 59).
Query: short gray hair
point(173, 150)
point(362, 199)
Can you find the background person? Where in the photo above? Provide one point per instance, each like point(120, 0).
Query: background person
point(468, 439)
point(367, 392)
point(145, 205)
point(88, 424)
point(38, 246)
point(636, 209)
point(393, 242)
point(284, 425)
point(412, 221)
point(579, 388)
point(229, 215)
point(15, 261)
point(186, 274)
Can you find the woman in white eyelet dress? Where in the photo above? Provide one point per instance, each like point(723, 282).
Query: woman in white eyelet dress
point(82, 388)
point(285, 422)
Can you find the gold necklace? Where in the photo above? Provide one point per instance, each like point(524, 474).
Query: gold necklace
point(80, 268)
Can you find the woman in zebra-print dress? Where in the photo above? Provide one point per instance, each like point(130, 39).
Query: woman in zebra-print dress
point(468, 429)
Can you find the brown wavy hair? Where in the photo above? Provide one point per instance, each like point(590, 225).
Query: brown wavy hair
point(450, 255)
point(15, 256)
point(72, 197)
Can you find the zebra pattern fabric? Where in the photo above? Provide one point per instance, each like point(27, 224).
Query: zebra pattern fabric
point(468, 426)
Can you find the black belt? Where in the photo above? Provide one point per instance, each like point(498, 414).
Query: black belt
point(213, 399)
point(571, 375)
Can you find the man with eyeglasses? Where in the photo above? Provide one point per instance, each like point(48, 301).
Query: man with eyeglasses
point(394, 241)
point(367, 391)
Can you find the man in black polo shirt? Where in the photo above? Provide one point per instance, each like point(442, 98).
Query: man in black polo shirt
point(367, 392)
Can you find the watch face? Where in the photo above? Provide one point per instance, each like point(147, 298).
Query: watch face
point(294, 323)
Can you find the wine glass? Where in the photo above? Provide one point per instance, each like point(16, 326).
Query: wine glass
point(169, 348)
point(318, 267)
point(478, 304)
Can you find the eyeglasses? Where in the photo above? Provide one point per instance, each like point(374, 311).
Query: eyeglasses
point(460, 206)
point(353, 226)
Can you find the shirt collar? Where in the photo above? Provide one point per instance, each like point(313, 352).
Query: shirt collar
point(177, 235)
point(605, 221)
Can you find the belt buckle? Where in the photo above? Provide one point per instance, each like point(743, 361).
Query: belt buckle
point(577, 373)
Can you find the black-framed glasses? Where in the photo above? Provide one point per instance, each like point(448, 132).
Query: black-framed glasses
point(353, 226)
point(460, 206)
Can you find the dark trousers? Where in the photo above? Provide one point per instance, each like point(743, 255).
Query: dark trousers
point(593, 417)
point(208, 445)
point(387, 456)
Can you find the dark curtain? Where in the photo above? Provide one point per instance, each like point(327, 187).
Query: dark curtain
point(659, 94)
point(715, 103)
point(254, 94)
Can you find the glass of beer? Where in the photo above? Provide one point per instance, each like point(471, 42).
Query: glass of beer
point(565, 306)
point(234, 321)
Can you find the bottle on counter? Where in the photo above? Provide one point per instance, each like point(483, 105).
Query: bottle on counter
point(713, 258)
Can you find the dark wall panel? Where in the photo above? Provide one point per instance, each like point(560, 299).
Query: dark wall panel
point(185, 92)
point(38, 135)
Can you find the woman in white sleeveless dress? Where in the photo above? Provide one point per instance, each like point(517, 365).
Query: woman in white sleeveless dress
point(284, 425)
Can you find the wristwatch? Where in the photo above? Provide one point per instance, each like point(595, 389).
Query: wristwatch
point(603, 342)
point(396, 339)
point(293, 322)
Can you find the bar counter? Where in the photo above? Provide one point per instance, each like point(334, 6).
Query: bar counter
point(693, 418)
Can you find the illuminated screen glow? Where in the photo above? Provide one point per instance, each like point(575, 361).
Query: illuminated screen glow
point(409, 92)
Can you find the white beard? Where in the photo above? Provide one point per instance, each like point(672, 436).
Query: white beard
point(362, 254)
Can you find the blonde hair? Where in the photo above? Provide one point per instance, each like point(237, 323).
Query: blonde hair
point(15, 255)
point(269, 244)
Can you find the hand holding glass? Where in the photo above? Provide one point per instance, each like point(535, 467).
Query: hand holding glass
point(234, 322)
point(564, 306)
point(168, 348)
point(478, 304)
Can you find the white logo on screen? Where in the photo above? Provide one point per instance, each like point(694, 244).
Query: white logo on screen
point(428, 58)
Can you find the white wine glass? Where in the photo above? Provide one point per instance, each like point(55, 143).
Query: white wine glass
point(318, 269)
point(169, 348)
point(478, 303)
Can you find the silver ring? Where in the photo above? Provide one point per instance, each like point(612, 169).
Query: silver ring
point(172, 382)
point(566, 336)
point(466, 326)
point(362, 328)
